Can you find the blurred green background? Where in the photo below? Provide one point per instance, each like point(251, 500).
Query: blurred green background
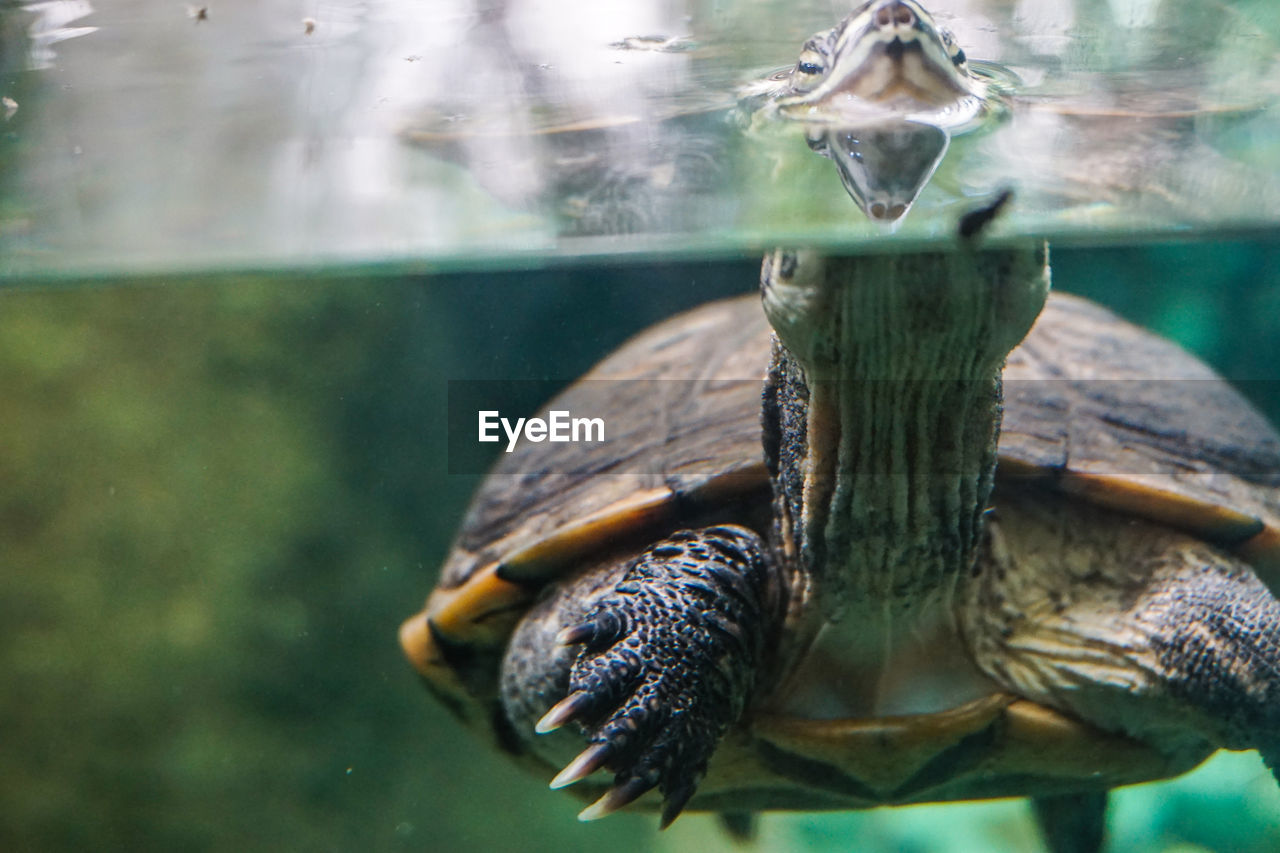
point(219, 498)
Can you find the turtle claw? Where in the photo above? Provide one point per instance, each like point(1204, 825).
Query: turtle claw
point(588, 761)
point(676, 800)
point(573, 705)
point(621, 794)
point(595, 633)
point(576, 634)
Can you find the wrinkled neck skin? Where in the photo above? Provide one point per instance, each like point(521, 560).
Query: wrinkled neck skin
point(882, 412)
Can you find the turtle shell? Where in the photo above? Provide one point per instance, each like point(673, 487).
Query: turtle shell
point(1094, 407)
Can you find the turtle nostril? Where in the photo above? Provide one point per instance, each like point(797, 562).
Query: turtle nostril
point(894, 14)
point(877, 210)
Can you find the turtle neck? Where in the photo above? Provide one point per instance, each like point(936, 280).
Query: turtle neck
point(884, 409)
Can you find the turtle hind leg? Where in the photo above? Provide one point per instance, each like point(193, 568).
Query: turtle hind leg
point(666, 662)
point(1072, 823)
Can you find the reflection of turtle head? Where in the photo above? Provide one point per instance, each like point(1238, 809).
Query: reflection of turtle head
point(883, 167)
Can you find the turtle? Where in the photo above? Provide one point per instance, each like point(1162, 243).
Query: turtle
point(917, 531)
point(1187, 489)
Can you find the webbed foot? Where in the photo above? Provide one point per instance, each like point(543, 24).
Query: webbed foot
point(667, 663)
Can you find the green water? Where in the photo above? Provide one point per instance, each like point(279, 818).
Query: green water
point(234, 286)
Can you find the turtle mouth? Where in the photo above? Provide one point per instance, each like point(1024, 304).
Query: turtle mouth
point(899, 67)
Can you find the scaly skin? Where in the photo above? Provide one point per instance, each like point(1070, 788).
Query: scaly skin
point(1128, 625)
point(665, 663)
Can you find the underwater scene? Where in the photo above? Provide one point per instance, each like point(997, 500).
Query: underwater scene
point(261, 268)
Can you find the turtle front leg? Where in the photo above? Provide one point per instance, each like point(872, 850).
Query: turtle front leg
point(666, 660)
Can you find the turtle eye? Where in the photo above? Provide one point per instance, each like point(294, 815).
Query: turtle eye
point(779, 268)
point(786, 267)
point(809, 69)
point(956, 52)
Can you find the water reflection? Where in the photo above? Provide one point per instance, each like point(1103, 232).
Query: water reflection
point(468, 131)
point(585, 123)
point(883, 168)
point(49, 25)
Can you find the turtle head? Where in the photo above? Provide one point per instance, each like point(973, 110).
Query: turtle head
point(885, 54)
